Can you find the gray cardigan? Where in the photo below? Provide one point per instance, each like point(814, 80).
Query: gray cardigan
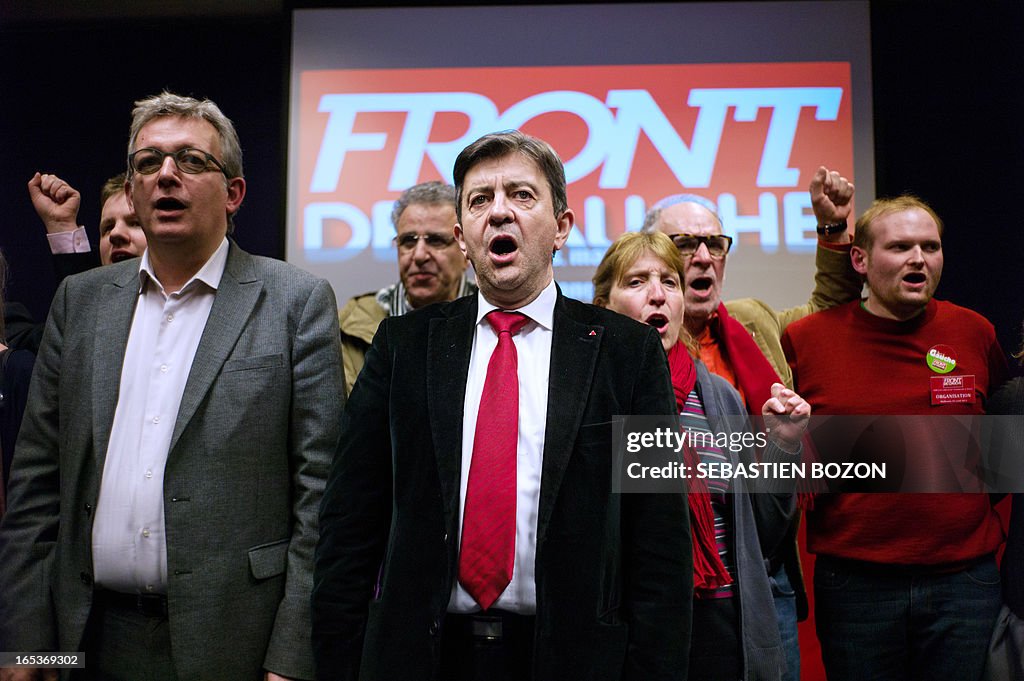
point(761, 514)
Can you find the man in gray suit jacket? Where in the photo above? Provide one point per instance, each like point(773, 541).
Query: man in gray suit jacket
point(181, 420)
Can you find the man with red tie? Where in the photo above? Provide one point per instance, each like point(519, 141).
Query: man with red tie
point(469, 529)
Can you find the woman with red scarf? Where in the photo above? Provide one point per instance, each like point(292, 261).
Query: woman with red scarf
point(735, 634)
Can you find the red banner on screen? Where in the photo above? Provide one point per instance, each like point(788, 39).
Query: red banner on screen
point(747, 136)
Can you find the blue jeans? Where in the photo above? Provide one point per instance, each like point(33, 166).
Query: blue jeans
point(882, 623)
point(785, 613)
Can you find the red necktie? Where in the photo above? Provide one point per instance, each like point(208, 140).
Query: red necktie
point(489, 518)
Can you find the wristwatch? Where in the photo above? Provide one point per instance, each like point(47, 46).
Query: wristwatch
point(832, 228)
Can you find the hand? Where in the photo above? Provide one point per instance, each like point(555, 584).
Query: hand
point(56, 202)
point(271, 676)
point(785, 417)
point(831, 196)
point(27, 674)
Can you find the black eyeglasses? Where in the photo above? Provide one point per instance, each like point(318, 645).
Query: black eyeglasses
point(718, 244)
point(435, 242)
point(192, 161)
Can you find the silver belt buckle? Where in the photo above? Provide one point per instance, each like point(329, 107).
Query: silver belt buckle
point(487, 628)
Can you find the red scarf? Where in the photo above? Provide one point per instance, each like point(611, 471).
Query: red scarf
point(754, 373)
point(709, 573)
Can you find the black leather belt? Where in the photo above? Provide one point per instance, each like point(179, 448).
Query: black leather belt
point(491, 626)
point(150, 605)
point(487, 646)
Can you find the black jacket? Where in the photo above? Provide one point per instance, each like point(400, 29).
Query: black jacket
point(613, 571)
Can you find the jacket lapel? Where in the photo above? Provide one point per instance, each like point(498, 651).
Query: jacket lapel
point(236, 297)
point(448, 348)
point(117, 300)
point(574, 348)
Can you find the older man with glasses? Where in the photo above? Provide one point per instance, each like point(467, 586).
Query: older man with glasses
point(740, 340)
point(431, 269)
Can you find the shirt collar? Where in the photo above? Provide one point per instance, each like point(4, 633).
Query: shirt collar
point(210, 273)
point(541, 309)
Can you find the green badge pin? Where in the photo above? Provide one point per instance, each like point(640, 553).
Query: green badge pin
point(941, 359)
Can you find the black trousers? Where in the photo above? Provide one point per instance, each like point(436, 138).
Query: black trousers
point(715, 653)
point(491, 646)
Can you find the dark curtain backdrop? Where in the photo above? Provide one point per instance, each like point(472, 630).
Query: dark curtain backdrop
point(946, 95)
point(66, 97)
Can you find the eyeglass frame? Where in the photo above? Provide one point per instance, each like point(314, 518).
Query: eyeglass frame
point(413, 238)
point(210, 158)
point(703, 239)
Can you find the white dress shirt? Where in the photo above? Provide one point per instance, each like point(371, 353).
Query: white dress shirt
point(129, 550)
point(75, 241)
point(533, 348)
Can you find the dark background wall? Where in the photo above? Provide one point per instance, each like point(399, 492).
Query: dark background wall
point(948, 103)
point(946, 96)
point(67, 91)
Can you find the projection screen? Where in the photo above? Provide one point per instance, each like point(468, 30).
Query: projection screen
point(737, 102)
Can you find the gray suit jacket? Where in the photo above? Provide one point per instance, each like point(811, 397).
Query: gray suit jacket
point(257, 427)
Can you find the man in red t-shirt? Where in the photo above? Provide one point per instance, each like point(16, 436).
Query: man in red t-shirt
point(906, 585)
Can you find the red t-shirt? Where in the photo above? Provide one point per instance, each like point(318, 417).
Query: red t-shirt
point(848, 361)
